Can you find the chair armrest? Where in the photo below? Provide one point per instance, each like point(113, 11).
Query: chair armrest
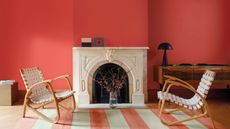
point(178, 84)
point(172, 79)
point(65, 77)
point(61, 77)
point(176, 79)
point(186, 87)
point(165, 84)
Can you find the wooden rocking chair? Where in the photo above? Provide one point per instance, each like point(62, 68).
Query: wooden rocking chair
point(197, 102)
point(40, 92)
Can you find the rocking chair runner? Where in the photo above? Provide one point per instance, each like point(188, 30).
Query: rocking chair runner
point(197, 102)
point(40, 92)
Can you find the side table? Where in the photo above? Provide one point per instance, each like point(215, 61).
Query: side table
point(8, 94)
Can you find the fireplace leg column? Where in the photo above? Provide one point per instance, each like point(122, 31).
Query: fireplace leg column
point(82, 95)
point(138, 96)
point(83, 98)
point(138, 99)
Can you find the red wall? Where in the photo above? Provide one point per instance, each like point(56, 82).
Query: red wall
point(120, 22)
point(43, 32)
point(36, 33)
point(197, 29)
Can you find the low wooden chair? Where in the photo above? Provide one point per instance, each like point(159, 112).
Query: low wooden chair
point(197, 102)
point(40, 92)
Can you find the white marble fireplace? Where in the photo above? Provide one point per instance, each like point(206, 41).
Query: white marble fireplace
point(86, 60)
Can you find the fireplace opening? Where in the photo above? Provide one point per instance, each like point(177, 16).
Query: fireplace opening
point(104, 77)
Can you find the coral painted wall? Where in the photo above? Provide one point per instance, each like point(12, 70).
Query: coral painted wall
point(120, 22)
point(43, 32)
point(36, 33)
point(197, 29)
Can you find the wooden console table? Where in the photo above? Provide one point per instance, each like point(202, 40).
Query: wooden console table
point(192, 74)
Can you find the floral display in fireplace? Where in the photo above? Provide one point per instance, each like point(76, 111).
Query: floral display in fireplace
point(112, 78)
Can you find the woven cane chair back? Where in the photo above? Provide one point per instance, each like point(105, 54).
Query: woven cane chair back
point(203, 89)
point(205, 83)
point(31, 76)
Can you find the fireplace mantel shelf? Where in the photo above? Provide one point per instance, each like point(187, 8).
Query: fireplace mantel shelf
point(93, 48)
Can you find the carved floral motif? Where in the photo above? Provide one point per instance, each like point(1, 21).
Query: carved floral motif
point(109, 55)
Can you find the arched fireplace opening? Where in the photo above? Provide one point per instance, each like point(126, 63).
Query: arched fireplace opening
point(103, 77)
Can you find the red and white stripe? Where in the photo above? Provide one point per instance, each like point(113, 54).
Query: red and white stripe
point(114, 119)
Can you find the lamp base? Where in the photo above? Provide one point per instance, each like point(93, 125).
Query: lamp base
point(165, 60)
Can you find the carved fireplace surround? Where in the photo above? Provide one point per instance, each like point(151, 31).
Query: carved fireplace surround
point(86, 60)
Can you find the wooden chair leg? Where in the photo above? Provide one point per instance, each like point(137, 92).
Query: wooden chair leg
point(24, 111)
point(188, 119)
point(209, 114)
point(159, 104)
point(58, 112)
point(162, 107)
point(171, 111)
point(213, 124)
point(202, 110)
point(44, 116)
point(63, 107)
point(74, 102)
point(179, 121)
point(24, 108)
point(40, 114)
point(205, 112)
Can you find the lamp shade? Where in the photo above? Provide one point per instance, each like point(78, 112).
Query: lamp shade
point(165, 46)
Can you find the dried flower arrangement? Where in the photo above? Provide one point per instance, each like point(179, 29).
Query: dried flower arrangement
point(113, 79)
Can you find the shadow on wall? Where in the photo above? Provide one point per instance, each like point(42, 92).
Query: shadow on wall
point(225, 26)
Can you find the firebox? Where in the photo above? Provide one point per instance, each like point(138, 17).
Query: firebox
point(104, 78)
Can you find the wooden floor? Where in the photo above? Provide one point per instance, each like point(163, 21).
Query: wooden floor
point(220, 110)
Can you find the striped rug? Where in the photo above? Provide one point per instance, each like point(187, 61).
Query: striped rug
point(113, 119)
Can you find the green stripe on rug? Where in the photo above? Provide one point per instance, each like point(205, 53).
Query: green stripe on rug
point(192, 124)
point(116, 119)
point(43, 124)
point(81, 120)
point(150, 119)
